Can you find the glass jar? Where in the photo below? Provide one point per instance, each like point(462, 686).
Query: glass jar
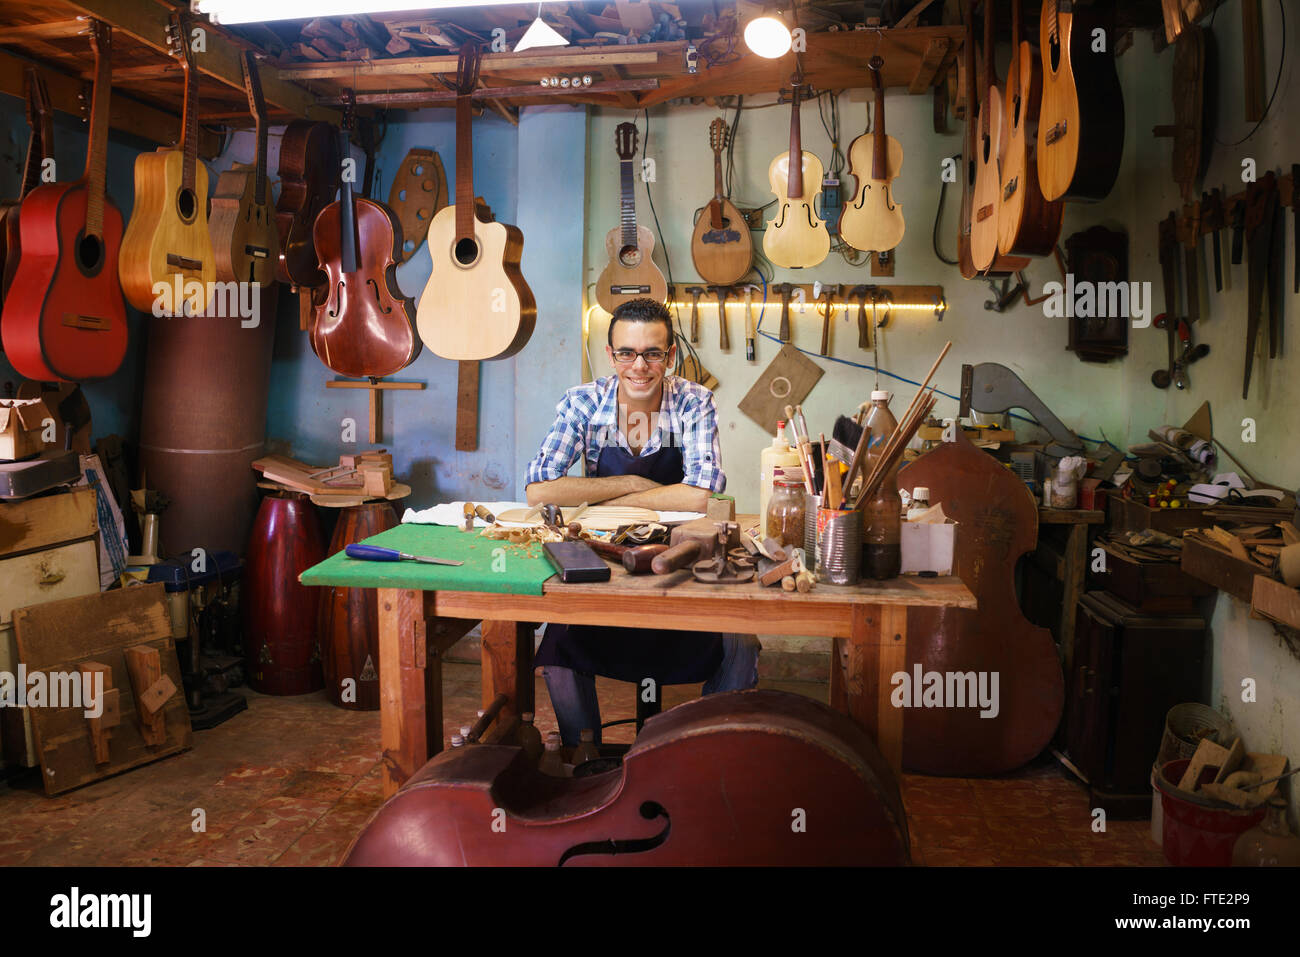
point(785, 513)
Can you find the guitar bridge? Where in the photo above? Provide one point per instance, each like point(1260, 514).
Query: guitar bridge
point(984, 212)
point(628, 290)
point(1010, 189)
point(257, 252)
point(721, 236)
point(1055, 133)
point(92, 323)
point(183, 262)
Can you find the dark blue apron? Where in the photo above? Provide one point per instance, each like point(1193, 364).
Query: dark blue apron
point(630, 654)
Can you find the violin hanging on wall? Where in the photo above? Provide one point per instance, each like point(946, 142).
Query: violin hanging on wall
point(362, 326)
point(475, 259)
point(796, 237)
point(64, 319)
point(244, 235)
point(873, 221)
point(167, 238)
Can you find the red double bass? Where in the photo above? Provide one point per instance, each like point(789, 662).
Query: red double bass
point(64, 318)
point(997, 523)
point(740, 778)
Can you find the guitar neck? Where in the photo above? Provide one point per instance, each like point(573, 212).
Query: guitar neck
point(1015, 29)
point(257, 105)
point(990, 51)
point(627, 202)
point(794, 178)
point(717, 177)
point(968, 58)
point(464, 169)
point(190, 120)
point(97, 147)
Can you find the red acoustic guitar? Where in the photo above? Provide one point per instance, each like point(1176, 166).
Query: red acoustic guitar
point(39, 146)
point(64, 318)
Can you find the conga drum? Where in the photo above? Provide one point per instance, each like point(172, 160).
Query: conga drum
point(279, 613)
point(349, 617)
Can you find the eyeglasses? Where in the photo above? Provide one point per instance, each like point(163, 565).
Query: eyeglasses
point(651, 356)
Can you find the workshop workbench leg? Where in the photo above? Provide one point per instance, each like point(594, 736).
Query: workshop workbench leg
point(404, 733)
point(1076, 564)
point(507, 663)
point(839, 660)
point(877, 650)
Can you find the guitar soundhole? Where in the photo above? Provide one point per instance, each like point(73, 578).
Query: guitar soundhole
point(1054, 53)
point(90, 254)
point(186, 204)
point(466, 252)
point(1015, 113)
point(630, 256)
point(986, 147)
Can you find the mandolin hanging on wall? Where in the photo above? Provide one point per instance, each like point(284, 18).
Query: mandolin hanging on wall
point(721, 247)
point(64, 319)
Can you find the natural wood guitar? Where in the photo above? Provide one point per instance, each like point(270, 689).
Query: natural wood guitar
point(64, 319)
point(167, 238)
point(796, 237)
point(630, 273)
point(476, 304)
point(1001, 265)
point(1028, 224)
point(1081, 120)
point(244, 236)
point(40, 117)
point(989, 145)
point(721, 247)
point(873, 221)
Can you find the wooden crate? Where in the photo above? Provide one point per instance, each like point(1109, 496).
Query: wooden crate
point(46, 521)
point(1126, 515)
point(1275, 601)
point(1218, 568)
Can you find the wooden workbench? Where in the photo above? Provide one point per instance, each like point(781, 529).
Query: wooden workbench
point(1070, 568)
point(867, 622)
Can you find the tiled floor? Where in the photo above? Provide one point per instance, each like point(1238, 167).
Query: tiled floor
point(292, 780)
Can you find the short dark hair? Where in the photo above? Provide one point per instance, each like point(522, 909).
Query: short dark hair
point(642, 310)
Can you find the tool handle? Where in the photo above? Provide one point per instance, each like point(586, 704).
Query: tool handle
point(607, 549)
point(678, 556)
point(484, 514)
point(638, 560)
point(373, 553)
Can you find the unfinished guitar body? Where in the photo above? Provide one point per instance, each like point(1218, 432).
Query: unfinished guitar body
point(631, 273)
point(167, 235)
point(988, 181)
point(796, 237)
point(246, 242)
point(1028, 224)
point(476, 304)
point(873, 221)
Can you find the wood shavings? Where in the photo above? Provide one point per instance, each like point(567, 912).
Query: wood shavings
point(521, 536)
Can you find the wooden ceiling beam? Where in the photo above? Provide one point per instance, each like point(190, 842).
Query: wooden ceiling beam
point(414, 99)
point(54, 30)
point(147, 22)
point(127, 116)
point(492, 63)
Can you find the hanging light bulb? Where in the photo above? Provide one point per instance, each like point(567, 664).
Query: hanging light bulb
point(540, 34)
point(768, 36)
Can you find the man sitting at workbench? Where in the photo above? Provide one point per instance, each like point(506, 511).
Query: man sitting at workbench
point(646, 438)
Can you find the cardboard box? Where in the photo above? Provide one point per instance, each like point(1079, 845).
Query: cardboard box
point(21, 423)
point(927, 547)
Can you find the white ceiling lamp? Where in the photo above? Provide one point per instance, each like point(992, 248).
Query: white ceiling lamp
point(540, 34)
point(258, 11)
point(768, 36)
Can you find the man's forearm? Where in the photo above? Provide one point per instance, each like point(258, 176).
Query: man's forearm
point(575, 490)
point(676, 498)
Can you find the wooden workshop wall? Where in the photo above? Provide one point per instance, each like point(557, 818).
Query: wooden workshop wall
point(1242, 648)
point(1091, 397)
point(114, 401)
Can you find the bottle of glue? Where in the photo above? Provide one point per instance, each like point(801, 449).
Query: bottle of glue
point(778, 455)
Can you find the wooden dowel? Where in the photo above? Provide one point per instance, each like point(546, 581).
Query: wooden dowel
point(489, 715)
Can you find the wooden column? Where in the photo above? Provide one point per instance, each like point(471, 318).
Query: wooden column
point(877, 649)
point(507, 662)
point(1075, 567)
point(402, 675)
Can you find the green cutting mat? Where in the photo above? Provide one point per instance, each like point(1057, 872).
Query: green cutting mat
point(515, 570)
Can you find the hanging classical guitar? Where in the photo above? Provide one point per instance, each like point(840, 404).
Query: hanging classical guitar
point(711, 782)
point(244, 236)
point(39, 146)
point(362, 326)
point(721, 247)
point(476, 304)
point(64, 319)
point(1001, 265)
point(997, 522)
point(988, 155)
point(630, 273)
point(1081, 120)
point(873, 221)
point(796, 237)
point(1028, 224)
point(167, 238)
point(309, 180)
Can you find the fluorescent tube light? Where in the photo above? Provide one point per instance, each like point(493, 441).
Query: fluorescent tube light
point(256, 11)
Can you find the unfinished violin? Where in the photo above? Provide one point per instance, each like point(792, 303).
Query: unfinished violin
point(740, 778)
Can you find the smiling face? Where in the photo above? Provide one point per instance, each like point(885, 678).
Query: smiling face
point(639, 381)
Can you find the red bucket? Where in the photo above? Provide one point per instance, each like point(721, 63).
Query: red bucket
point(1195, 834)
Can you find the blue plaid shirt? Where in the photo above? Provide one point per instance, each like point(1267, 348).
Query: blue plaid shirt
point(587, 418)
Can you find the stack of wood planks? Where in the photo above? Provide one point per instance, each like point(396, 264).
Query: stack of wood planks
point(1258, 543)
point(363, 475)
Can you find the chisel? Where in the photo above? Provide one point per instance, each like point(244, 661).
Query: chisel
point(374, 553)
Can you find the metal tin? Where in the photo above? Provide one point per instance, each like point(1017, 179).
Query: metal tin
point(839, 546)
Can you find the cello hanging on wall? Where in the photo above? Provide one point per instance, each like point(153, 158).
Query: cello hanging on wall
point(997, 522)
point(714, 781)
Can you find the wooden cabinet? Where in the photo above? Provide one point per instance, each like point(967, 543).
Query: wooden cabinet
point(1130, 668)
point(49, 550)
